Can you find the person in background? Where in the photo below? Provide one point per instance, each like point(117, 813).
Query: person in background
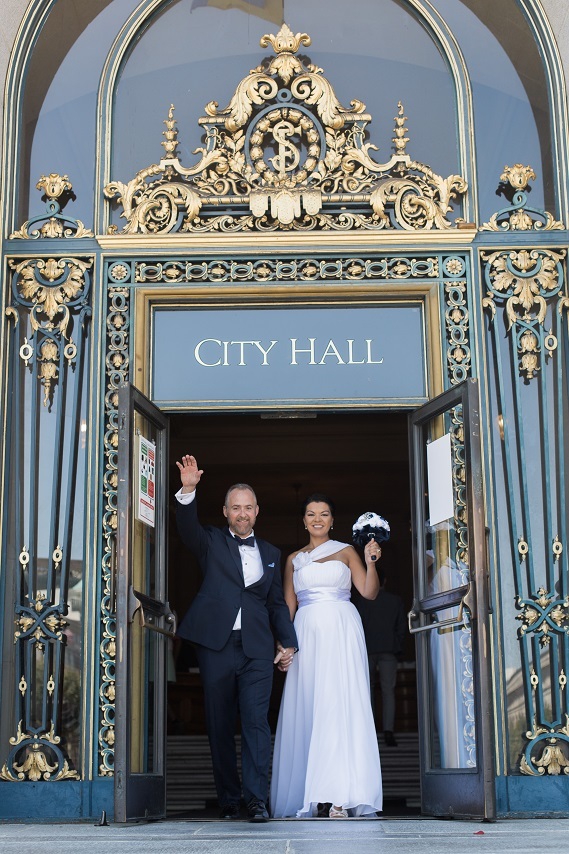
point(384, 623)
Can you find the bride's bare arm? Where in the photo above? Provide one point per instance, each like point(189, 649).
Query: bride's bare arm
point(288, 587)
point(364, 578)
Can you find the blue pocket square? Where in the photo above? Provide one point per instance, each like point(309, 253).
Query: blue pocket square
point(272, 565)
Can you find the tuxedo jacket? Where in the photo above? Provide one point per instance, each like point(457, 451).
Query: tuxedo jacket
point(211, 616)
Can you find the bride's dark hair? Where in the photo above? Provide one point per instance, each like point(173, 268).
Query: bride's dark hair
point(320, 498)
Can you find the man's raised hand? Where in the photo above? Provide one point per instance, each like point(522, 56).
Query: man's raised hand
point(190, 474)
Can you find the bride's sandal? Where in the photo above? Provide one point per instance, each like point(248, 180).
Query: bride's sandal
point(338, 812)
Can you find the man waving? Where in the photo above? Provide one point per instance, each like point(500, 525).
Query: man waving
point(230, 624)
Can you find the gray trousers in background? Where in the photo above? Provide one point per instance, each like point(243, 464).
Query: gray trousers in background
point(383, 670)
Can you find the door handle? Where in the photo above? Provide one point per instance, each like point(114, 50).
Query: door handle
point(146, 623)
point(149, 609)
point(458, 620)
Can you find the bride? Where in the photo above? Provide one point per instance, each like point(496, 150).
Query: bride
point(326, 753)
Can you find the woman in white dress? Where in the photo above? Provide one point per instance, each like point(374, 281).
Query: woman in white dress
point(326, 745)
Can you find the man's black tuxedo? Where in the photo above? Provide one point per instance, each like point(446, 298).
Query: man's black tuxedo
point(212, 614)
point(236, 667)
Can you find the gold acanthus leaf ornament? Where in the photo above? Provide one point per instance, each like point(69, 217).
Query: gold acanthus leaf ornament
point(39, 284)
point(524, 276)
point(553, 760)
point(518, 176)
point(285, 44)
point(283, 154)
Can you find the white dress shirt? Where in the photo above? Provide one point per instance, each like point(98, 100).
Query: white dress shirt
point(250, 555)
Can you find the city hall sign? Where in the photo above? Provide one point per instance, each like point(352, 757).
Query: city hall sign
point(292, 357)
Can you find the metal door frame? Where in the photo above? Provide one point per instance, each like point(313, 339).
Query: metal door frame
point(478, 783)
point(139, 795)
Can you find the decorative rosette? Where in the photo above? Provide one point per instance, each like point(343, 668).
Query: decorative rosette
point(370, 526)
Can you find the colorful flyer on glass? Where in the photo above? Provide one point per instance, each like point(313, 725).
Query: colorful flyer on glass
point(145, 502)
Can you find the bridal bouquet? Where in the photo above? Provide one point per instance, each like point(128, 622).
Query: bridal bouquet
point(368, 527)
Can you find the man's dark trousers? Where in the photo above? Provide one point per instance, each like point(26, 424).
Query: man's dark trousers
point(233, 681)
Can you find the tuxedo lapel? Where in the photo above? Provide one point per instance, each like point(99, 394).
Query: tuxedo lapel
point(262, 546)
point(234, 552)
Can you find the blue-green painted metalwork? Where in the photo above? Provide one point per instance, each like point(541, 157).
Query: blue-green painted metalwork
point(457, 317)
point(449, 272)
point(532, 348)
point(519, 215)
point(266, 270)
point(54, 224)
point(528, 283)
point(50, 302)
point(117, 371)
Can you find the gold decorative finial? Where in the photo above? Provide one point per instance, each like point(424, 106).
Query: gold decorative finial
point(518, 176)
point(400, 140)
point(54, 185)
point(285, 41)
point(171, 133)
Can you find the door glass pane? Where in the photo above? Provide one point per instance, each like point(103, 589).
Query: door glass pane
point(509, 89)
point(144, 742)
point(445, 531)
point(443, 572)
point(147, 647)
point(451, 722)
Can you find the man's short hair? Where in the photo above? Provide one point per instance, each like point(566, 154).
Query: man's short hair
point(239, 486)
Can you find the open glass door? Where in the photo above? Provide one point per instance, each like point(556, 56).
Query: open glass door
point(145, 623)
point(449, 617)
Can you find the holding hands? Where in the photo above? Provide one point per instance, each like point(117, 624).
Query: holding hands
point(190, 474)
point(283, 657)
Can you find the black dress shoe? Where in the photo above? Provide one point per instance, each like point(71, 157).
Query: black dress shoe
point(257, 811)
point(229, 811)
point(389, 738)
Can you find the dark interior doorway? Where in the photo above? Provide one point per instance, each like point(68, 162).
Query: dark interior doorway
point(359, 459)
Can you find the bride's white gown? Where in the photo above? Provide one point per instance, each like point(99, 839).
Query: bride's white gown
point(326, 744)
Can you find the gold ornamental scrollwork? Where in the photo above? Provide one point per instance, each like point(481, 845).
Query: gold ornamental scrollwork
point(117, 372)
point(57, 190)
point(285, 154)
point(520, 216)
point(525, 281)
point(50, 292)
point(34, 765)
point(543, 614)
point(547, 751)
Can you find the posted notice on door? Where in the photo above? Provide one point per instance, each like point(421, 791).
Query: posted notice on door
point(146, 481)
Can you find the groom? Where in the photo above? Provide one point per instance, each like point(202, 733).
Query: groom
point(230, 623)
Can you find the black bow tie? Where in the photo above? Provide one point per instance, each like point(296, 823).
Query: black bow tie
point(248, 541)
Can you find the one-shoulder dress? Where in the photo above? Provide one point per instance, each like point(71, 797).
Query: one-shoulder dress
point(326, 744)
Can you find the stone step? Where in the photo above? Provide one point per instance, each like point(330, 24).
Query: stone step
point(190, 777)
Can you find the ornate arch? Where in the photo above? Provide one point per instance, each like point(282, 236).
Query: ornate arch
point(142, 19)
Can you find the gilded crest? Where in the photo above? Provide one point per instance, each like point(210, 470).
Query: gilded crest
point(285, 154)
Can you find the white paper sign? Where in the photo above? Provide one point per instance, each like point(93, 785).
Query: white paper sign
point(146, 481)
point(439, 480)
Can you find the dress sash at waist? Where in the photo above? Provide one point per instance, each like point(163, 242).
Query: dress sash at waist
point(322, 594)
